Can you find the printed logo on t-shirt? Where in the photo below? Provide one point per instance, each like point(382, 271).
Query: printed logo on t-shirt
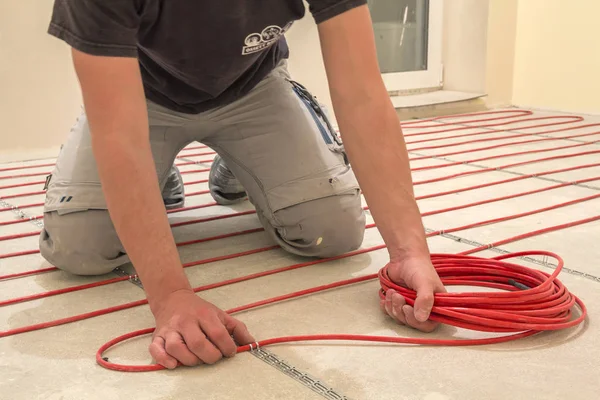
point(256, 42)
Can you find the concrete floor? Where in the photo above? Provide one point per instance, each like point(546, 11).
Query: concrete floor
point(59, 363)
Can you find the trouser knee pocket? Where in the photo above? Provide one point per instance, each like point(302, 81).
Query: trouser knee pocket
point(321, 228)
point(82, 243)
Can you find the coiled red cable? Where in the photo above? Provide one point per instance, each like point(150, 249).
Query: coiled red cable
point(531, 301)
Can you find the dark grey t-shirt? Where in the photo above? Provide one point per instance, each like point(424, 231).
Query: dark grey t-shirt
point(194, 55)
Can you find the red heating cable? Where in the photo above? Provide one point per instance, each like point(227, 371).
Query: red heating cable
point(408, 135)
point(16, 185)
point(505, 166)
point(26, 167)
point(432, 180)
point(498, 138)
point(545, 305)
point(22, 167)
point(538, 174)
point(451, 230)
point(414, 169)
point(517, 130)
point(13, 196)
point(173, 225)
point(509, 180)
point(129, 305)
point(544, 150)
point(120, 307)
point(488, 158)
point(441, 119)
point(498, 131)
point(580, 181)
point(489, 131)
point(6, 209)
point(194, 221)
point(519, 113)
point(411, 150)
point(190, 194)
point(407, 124)
point(420, 158)
point(80, 317)
point(208, 153)
point(195, 148)
point(570, 120)
point(173, 211)
point(46, 173)
point(29, 252)
point(515, 195)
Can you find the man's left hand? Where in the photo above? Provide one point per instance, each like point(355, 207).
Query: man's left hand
point(420, 275)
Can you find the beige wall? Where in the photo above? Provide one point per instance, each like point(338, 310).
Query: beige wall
point(500, 59)
point(39, 95)
point(464, 45)
point(557, 58)
point(538, 53)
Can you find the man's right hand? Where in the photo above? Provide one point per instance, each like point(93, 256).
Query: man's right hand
point(189, 330)
point(193, 331)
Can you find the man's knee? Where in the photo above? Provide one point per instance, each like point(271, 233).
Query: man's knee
point(82, 243)
point(322, 228)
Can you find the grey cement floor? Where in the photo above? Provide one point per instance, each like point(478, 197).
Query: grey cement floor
point(59, 363)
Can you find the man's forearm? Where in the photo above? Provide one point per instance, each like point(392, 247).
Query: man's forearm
point(129, 181)
point(373, 139)
point(115, 105)
point(371, 131)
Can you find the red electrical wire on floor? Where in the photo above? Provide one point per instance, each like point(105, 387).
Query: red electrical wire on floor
point(180, 244)
point(408, 124)
point(442, 178)
point(515, 195)
point(46, 173)
point(80, 317)
point(503, 137)
point(418, 158)
point(454, 191)
point(518, 113)
point(569, 120)
point(534, 301)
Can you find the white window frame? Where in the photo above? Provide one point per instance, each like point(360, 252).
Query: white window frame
point(432, 77)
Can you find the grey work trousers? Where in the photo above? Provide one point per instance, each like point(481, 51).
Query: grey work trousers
point(295, 174)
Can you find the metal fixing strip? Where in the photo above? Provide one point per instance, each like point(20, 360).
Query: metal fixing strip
point(22, 214)
point(133, 278)
point(312, 383)
point(543, 261)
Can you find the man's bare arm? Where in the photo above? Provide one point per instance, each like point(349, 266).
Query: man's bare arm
point(116, 109)
point(375, 144)
point(189, 330)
